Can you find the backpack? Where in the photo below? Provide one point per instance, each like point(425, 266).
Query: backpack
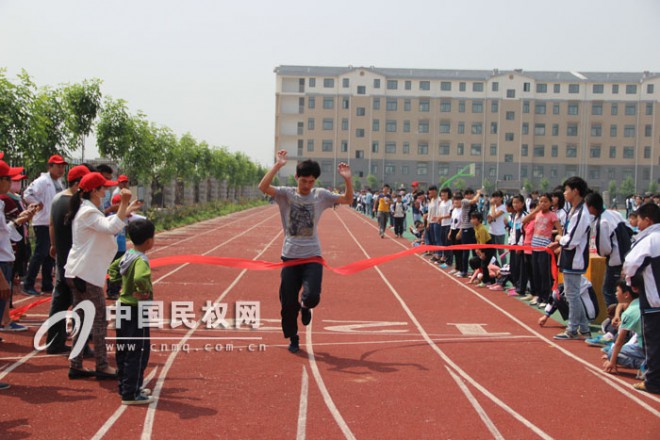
point(623, 235)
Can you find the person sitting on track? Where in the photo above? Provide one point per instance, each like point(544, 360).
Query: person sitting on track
point(301, 208)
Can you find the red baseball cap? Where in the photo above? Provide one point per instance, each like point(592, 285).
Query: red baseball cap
point(18, 177)
point(6, 170)
point(77, 172)
point(94, 180)
point(56, 158)
point(415, 183)
point(115, 199)
point(122, 178)
point(2, 154)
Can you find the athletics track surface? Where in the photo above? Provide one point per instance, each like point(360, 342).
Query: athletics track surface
point(398, 351)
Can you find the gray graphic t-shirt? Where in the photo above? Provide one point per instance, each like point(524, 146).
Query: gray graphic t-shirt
point(300, 219)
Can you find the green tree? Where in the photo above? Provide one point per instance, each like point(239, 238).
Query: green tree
point(527, 186)
point(544, 185)
point(627, 187)
point(441, 182)
point(459, 184)
point(372, 182)
point(653, 186)
point(291, 181)
point(611, 188)
point(81, 103)
point(487, 185)
point(15, 100)
point(357, 183)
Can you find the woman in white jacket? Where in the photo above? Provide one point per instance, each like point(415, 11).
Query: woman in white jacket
point(94, 245)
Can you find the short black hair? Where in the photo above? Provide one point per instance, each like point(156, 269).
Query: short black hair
point(560, 198)
point(469, 191)
point(446, 189)
point(650, 211)
point(475, 263)
point(458, 195)
point(103, 168)
point(140, 231)
point(433, 188)
point(90, 167)
point(578, 183)
point(308, 168)
point(478, 216)
point(497, 193)
point(595, 200)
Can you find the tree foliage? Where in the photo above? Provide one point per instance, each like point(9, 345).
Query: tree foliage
point(627, 187)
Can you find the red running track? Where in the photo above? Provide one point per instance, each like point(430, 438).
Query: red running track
point(399, 351)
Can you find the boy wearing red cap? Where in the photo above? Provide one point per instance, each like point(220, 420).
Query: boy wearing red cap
point(42, 192)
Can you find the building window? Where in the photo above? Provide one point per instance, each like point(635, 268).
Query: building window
point(555, 129)
point(598, 89)
point(649, 108)
point(537, 171)
point(344, 146)
point(525, 128)
point(300, 127)
point(510, 116)
point(390, 126)
point(391, 105)
point(375, 125)
point(390, 147)
point(425, 85)
point(311, 102)
point(328, 83)
point(477, 107)
point(541, 88)
point(495, 86)
point(328, 103)
point(556, 88)
point(494, 106)
point(392, 84)
point(539, 108)
point(555, 109)
point(362, 90)
point(443, 149)
point(612, 152)
point(523, 172)
point(649, 88)
point(475, 149)
point(628, 152)
point(423, 126)
point(406, 105)
point(527, 87)
point(573, 109)
point(648, 129)
point(445, 127)
point(614, 110)
point(461, 106)
point(422, 148)
point(554, 151)
point(376, 83)
point(345, 103)
point(327, 145)
point(596, 130)
point(310, 124)
point(511, 93)
point(408, 85)
point(374, 169)
point(344, 124)
point(460, 149)
point(345, 83)
point(539, 129)
point(390, 169)
point(359, 154)
point(525, 107)
point(476, 128)
point(611, 173)
point(461, 86)
point(422, 168)
point(631, 109)
point(312, 82)
point(359, 132)
point(508, 137)
point(615, 89)
point(405, 170)
point(596, 109)
point(310, 145)
point(360, 111)
point(445, 106)
point(493, 128)
point(406, 126)
point(424, 105)
point(443, 169)
point(524, 150)
point(374, 147)
point(445, 86)
point(493, 149)
point(508, 158)
point(631, 89)
point(573, 88)
point(571, 150)
point(406, 148)
point(478, 87)
point(572, 130)
point(628, 131)
point(376, 104)
point(647, 152)
point(594, 152)
point(461, 127)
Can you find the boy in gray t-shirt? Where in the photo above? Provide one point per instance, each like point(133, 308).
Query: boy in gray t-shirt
point(300, 209)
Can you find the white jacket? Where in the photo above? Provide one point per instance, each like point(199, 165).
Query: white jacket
point(606, 241)
point(94, 244)
point(42, 190)
point(645, 255)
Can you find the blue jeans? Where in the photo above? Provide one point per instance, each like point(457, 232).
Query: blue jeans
point(631, 356)
point(577, 316)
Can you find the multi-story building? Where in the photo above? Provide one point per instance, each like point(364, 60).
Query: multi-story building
point(402, 125)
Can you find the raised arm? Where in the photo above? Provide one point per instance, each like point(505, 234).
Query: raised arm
point(345, 171)
point(265, 184)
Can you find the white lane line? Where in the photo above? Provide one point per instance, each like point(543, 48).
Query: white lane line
point(538, 431)
point(18, 363)
point(302, 410)
point(120, 410)
point(625, 392)
point(151, 412)
point(324, 390)
point(475, 403)
point(631, 394)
